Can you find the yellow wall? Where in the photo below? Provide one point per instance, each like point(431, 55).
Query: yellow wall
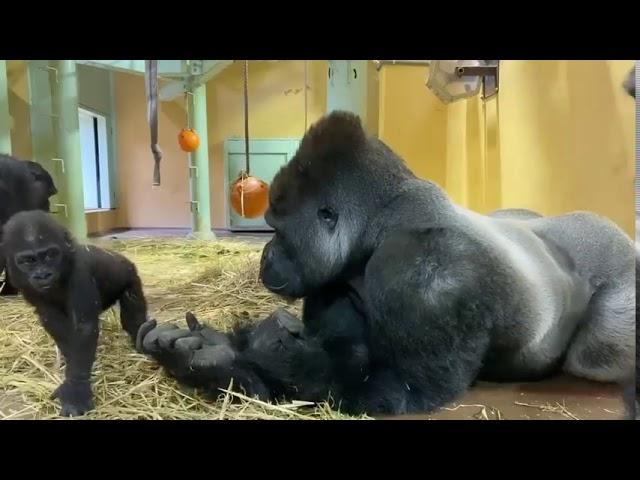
point(413, 121)
point(276, 103)
point(18, 82)
point(139, 203)
point(567, 137)
point(559, 137)
point(276, 110)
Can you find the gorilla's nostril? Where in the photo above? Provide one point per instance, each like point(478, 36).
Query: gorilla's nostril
point(43, 276)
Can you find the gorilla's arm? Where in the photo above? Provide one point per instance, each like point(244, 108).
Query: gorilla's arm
point(429, 330)
point(278, 357)
point(266, 361)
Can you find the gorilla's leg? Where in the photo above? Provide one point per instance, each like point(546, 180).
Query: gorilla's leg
point(78, 344)
point(133, 307)
point(603, 348)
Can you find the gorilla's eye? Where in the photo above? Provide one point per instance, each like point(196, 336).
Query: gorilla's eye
point(26, 259)
point(326, 214)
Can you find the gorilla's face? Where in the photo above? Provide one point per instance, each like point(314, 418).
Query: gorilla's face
point(322, 205)
point(312, 243)
point(38, 251)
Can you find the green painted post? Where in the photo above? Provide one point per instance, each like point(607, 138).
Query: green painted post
point(200, 160)
point(68, 139)
point(5, 117)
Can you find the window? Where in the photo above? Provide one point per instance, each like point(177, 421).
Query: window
point(95, 160)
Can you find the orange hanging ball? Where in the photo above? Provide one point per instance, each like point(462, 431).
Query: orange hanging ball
point(188, 139)
point(249, 197)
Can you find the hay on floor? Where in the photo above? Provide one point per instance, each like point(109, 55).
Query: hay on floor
point(217, 281)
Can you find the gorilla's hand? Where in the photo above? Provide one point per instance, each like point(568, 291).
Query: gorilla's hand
point(76, 398)
point(263, 360)
point(191, 354)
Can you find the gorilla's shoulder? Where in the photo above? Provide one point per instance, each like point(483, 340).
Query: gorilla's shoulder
point(451, 247)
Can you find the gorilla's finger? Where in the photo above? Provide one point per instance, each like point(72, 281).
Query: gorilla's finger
point(213, 337)
point(150, 341)
point(144, 329)
point(217, 356)
point(192, 322)
point(288, 321)
point(187, 344)
point(167, 339)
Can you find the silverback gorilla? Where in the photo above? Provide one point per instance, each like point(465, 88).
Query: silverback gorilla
point(70, 285)
point(408, 298)
point(632, 392)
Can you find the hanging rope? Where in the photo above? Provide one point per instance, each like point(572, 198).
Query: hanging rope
point(246, 116)
point(151, 83)
point(247, 169)
point(257, 191)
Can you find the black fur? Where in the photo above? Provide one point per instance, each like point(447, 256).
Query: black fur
point(630, 83)
point(70, 285)
point(44, 183)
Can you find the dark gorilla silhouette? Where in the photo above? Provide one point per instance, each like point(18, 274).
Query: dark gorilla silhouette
point(24, 185)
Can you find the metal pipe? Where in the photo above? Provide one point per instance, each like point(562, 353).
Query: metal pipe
point(415, 63)
point(5, 117)
point(68, 133)
point(198, 119)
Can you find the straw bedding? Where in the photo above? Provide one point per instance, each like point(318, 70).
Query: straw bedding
point(218, 281)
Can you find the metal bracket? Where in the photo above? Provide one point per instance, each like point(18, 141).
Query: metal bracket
point(61, 162)
point(415, 63)
point(196, 67)
point(63, 206)
point(192, 204)
point(489, 74)
point(49, 69)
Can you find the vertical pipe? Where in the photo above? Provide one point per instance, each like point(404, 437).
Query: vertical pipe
point(68, 136)
point(193, 177)
point(200, 160)
point(5, 118)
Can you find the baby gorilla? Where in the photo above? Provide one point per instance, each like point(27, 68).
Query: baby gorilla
point(70, 285)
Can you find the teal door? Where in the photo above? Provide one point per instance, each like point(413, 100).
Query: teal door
point(267, 157)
